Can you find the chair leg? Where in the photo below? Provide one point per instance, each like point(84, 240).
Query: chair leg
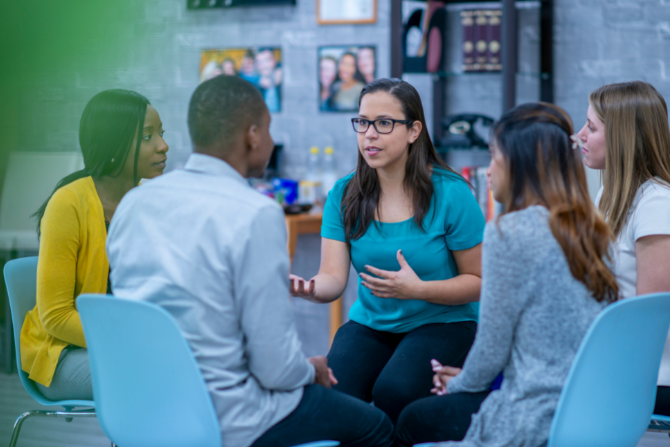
point(17, 426)
point(7, 348)
point(66, 414)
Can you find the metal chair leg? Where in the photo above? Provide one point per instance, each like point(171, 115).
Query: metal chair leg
point(65, 414)
point(8, 333)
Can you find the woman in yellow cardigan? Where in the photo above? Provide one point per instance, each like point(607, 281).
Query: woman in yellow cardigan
point(121, 138)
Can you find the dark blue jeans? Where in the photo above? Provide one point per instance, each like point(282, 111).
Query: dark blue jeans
point(330, 415)
point(393, 370)
point(438, 418)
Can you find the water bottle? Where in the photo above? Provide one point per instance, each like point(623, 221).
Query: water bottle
point(329, 174)
point(309, 189)
point(313, 165)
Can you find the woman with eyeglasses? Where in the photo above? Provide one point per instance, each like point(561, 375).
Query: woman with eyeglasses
point(412, 229)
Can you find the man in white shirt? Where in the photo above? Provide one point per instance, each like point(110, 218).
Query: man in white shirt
point(212, 251)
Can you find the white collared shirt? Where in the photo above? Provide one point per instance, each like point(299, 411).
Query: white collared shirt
point(212, 251)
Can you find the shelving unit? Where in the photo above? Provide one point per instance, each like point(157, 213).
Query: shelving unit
point(509, 56)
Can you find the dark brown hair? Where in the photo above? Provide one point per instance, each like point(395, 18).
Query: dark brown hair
point(360, 202)
point(544, 169)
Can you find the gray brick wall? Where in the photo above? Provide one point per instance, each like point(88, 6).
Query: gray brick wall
point(156, 48)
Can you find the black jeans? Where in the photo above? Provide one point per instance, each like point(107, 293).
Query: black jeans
point(393, 370)
point(662, 401)
point(438, 418)
point(329, 415)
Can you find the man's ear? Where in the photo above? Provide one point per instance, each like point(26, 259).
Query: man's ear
point(252, 137)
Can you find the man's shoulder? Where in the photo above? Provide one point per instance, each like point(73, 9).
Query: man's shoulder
point(196, 189)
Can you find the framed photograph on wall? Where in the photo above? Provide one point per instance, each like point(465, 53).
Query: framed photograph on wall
point(343, 72)
point(338, 12)
point(261, 66)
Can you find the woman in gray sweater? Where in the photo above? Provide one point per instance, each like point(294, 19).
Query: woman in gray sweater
point(545, 278)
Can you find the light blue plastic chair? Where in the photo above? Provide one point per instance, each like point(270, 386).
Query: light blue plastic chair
point(659, 423)
point(610, 391)
point(148, 388)
point(21, 280)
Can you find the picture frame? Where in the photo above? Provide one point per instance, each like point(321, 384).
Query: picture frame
point(262, 66)
point(343, 71)
point(346, 12)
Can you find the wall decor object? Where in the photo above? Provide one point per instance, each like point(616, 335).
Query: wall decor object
point(343, 72)
point(261, 66)
point(423, 34)
point(338, 12)
point(481, 40)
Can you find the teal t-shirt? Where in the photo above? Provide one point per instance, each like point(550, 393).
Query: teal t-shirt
point(453, 222)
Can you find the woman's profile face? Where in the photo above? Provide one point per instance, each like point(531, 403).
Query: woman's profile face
point(327, 72)
point(153, 149)
point(347, 68)
point(592, 135)
point(498, 173)
point(366, 62)
point(385, 151)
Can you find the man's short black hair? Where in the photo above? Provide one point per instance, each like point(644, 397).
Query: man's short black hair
point(221, 107)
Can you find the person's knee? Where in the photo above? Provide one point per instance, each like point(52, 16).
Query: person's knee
point(391, 395)
point(383, 434)
point(411, 425)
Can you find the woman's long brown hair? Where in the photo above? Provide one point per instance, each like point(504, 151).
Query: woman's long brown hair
point(544, 169)
point(637, 136)
point(360, 201)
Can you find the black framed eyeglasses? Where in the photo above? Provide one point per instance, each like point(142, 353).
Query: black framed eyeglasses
point(383, 125)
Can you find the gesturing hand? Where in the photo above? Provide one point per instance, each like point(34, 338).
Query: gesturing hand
point(403, 284)
point(323, 375)
point(297, 287)
point(443, 374)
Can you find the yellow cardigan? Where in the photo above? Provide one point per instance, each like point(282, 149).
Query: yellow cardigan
point(72, 261)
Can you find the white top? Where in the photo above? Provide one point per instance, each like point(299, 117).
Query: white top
point(649, 215)
point(212, 251)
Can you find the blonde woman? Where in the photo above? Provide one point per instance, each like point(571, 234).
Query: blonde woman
point(627, 137)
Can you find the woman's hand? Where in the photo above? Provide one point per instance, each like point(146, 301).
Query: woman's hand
point(298, 289)
point(443, 374)
point(403, 284)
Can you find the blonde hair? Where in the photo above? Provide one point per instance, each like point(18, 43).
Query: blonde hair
point(637, 138)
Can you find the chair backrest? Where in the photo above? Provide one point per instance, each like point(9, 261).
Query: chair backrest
point(610, 390)
point(147, 385)
point(30, 178)
point(21, 280)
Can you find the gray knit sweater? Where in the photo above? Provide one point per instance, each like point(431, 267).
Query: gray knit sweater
point(533, 316)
